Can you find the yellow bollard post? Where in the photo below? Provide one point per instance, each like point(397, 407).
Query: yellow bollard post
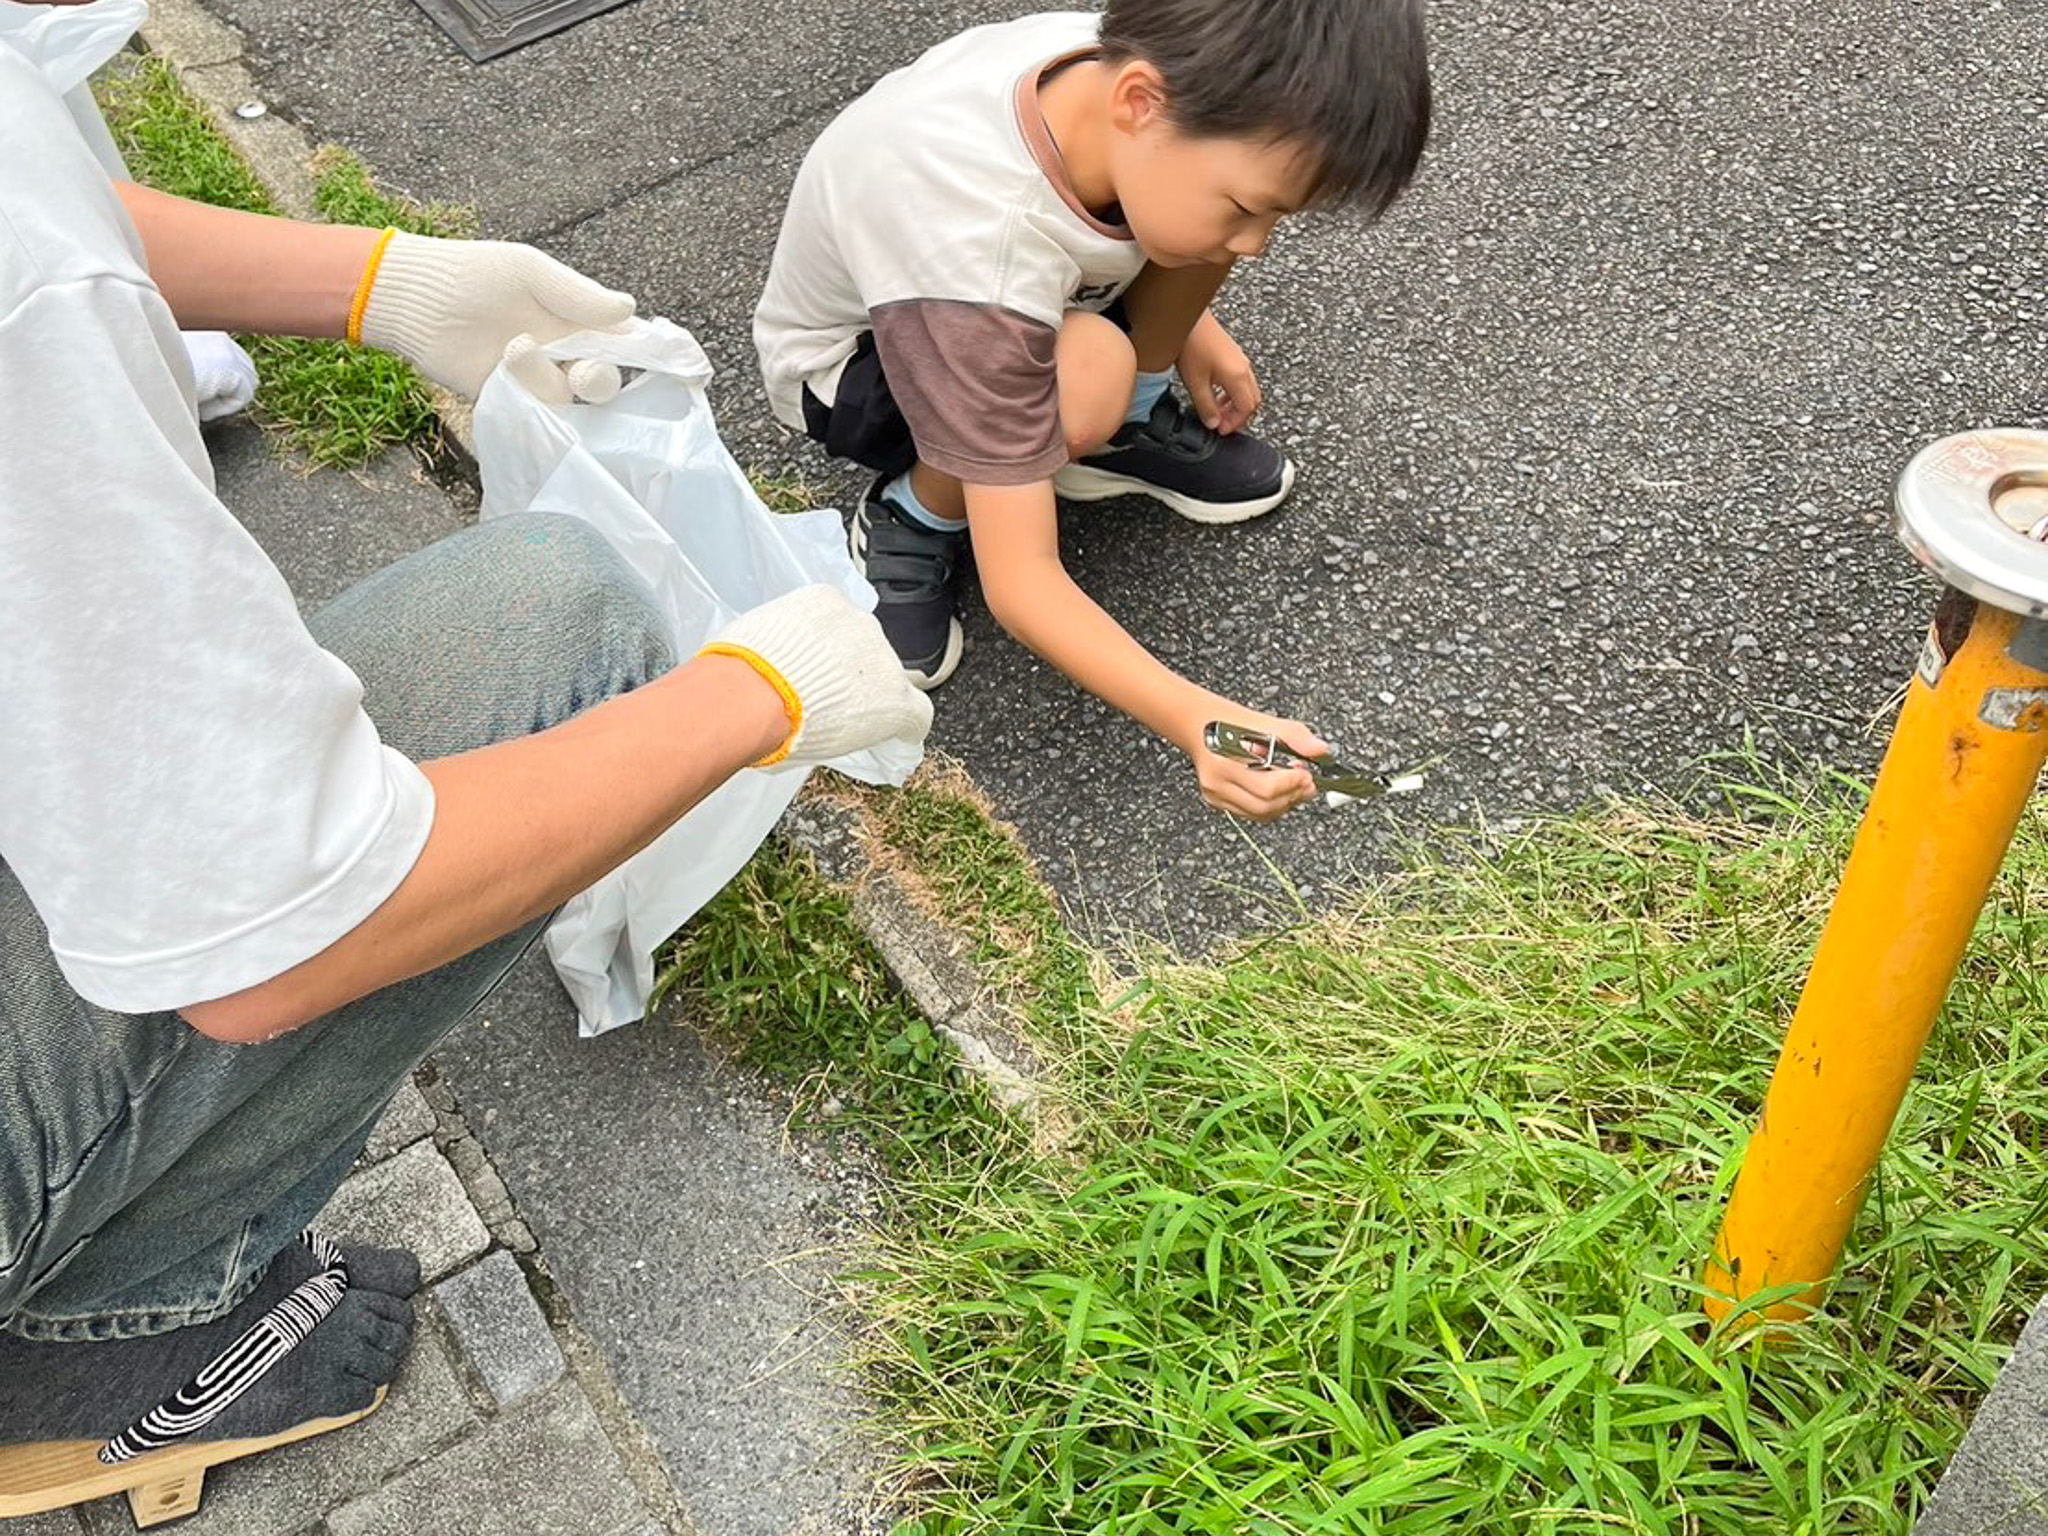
point(1965, 755)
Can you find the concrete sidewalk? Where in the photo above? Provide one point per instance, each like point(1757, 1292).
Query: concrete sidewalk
point(1997, 1482)
point(1597, 430)
point(485, 1430)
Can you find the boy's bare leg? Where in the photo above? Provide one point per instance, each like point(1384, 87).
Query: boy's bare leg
point(939, 493)
point(1098, 366)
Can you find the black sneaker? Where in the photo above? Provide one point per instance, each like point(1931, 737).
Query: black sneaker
point(912, 569)
point(1173, 458)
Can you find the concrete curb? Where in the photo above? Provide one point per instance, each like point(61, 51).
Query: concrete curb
point(930, 962)
point(207, 55)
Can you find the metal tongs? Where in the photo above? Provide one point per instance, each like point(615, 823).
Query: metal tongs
point(1334, 779)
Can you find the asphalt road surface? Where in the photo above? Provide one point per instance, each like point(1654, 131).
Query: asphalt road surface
point(1597, 429)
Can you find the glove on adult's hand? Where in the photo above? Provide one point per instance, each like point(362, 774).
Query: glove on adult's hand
point(454, 308)
point(838, 677)
point(224, 374)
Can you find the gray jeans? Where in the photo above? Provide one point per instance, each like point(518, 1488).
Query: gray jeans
point(148, 1174)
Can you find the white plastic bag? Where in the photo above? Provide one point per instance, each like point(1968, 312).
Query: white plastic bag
point(648, 470)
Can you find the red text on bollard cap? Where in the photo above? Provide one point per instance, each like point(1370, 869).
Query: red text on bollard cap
point(1973, 509)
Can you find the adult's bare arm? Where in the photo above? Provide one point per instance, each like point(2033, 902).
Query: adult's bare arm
point(520, 827)
point(451, 308)
point(221, 270)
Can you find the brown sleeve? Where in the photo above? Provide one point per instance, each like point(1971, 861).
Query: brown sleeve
point(978, 385)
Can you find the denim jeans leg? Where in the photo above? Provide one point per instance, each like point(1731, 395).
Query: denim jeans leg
point(148, 1174)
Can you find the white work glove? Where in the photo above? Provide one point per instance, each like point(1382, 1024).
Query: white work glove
point(455, 308)
point(838, 677)
point(225, 374)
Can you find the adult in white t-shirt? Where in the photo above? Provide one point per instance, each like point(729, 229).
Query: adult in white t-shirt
point(251, 867)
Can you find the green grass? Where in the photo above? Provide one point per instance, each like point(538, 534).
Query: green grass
point(786, 492)
point(974, 872)
point(778, 973)
point(1392, 1223)
point(344, 193)
point(334, 404)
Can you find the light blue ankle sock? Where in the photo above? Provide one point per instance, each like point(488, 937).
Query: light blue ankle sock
point(900, 492)
point(1149, 388)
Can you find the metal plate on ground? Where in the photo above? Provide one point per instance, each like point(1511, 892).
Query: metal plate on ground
point(484, 29)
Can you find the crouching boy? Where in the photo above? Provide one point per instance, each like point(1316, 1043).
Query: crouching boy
point(994, 262)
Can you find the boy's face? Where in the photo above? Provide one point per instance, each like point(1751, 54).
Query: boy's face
point(1196, 201)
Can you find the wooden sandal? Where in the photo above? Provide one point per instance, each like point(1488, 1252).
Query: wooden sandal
point(161, 1485)
point(155, 1461)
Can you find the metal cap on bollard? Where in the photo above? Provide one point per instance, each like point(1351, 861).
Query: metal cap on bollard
point(1973, 509)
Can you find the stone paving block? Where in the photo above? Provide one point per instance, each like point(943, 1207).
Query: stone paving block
point(410, 1200)
point(499, 1329)
point(283, 1492)
point(409, 1119)
point(695, 1246)
point(1998, 1481)
point(545, 1470)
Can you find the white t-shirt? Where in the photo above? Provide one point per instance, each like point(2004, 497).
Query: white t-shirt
point(190, 792)
point(935, 213)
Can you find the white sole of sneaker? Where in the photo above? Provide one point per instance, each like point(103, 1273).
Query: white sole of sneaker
point(956, 642)
point(1080, 482)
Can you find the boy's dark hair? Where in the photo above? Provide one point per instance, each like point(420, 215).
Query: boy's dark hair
point(1346, 79)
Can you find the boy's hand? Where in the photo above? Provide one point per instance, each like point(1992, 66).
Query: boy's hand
point(1219, 377)
point(1259, 794)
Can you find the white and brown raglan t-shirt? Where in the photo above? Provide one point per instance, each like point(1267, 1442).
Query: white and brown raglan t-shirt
point(935, 213)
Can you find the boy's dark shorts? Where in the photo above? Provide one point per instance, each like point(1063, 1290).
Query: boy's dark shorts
point(862, 421)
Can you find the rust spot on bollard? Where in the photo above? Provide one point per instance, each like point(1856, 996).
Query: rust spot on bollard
point(1960, 745)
